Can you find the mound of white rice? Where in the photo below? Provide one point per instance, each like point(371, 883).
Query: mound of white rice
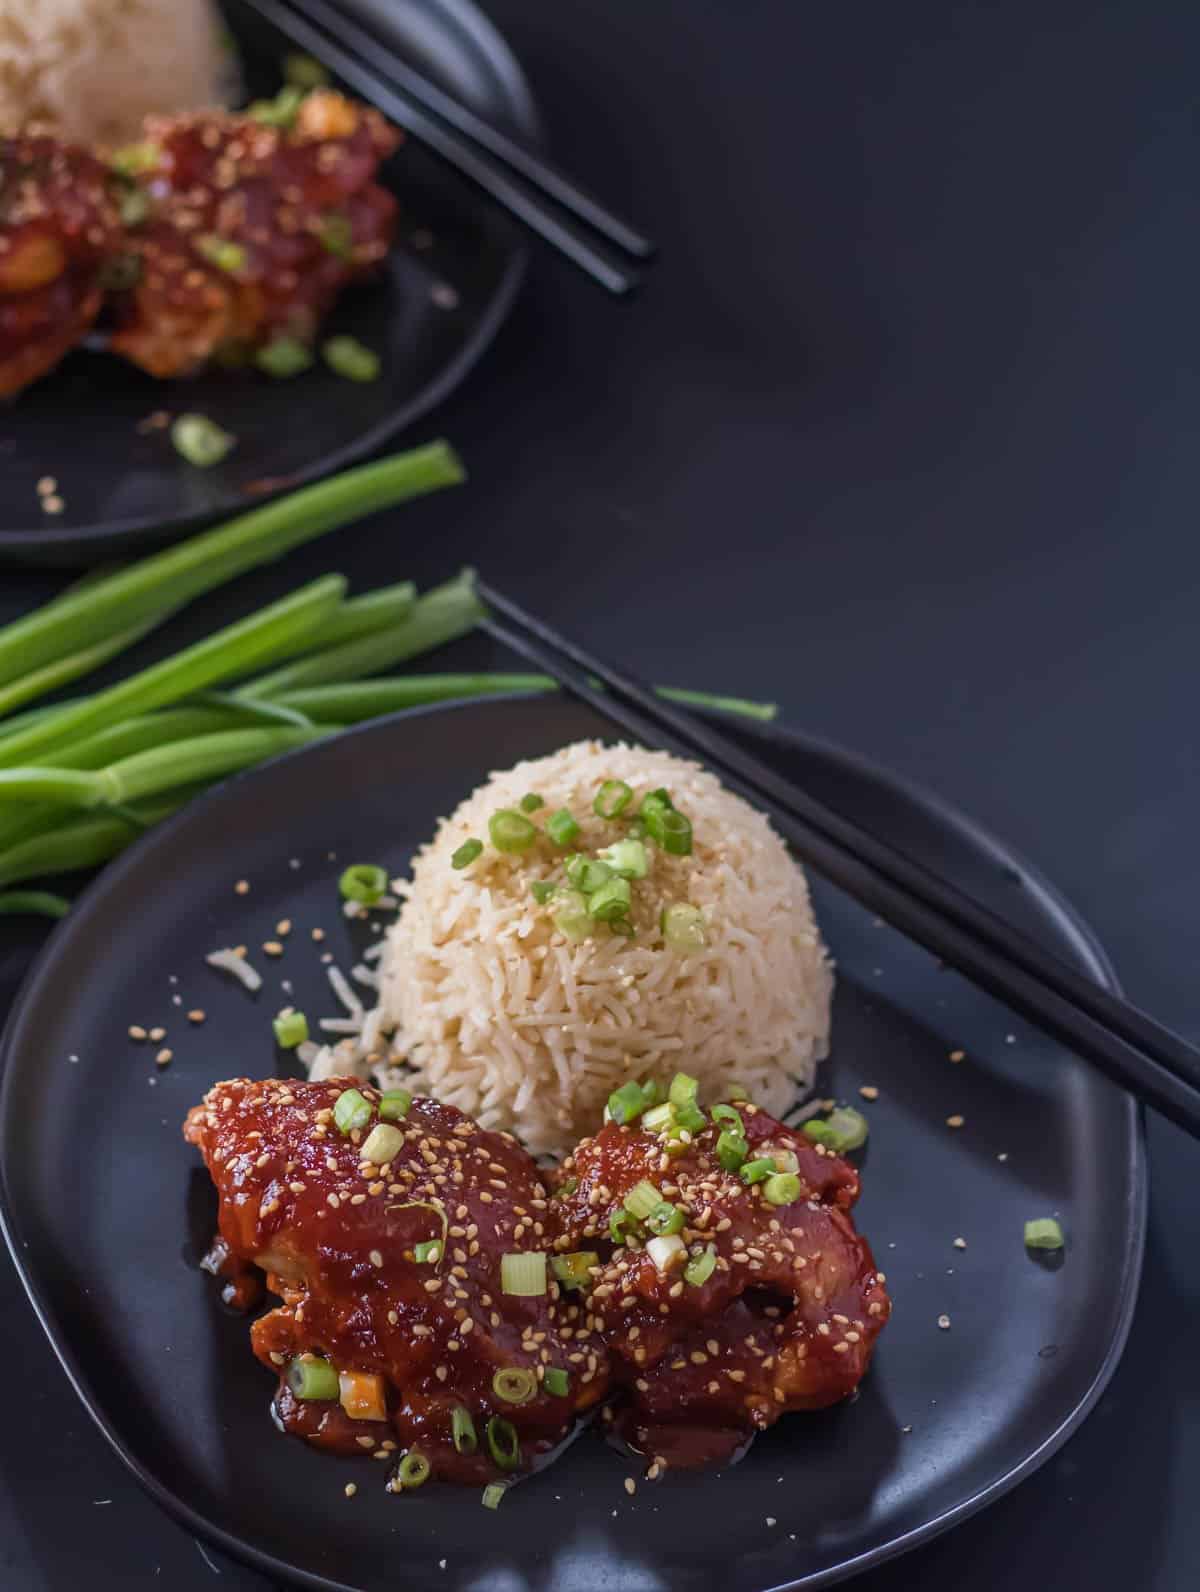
point(93, 68)
point(504, 1017)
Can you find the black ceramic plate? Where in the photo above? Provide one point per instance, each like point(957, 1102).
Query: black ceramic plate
point(107, 1210)
point(446, 287)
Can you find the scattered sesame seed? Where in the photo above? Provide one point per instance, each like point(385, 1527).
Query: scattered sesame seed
point(272, 948)
point(163, 1057)
point(318, 935)
point(196, 1015)
point(630, 1486)
point(958, 1055)
point(351, 1488)
point(136, 1031)
point(283, 928)
point(771, 1521)
point(960, 1243)
point(158, 1034)
point(53, 504)
point(944, 1323)
point(869, 1092)
point(955, 1121)
point(242, 887)
point(46, 486)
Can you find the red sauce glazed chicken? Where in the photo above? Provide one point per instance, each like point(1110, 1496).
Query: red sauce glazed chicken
point(443, 1309)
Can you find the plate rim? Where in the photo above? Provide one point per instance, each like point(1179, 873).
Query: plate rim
point(1068, 918)
point(58, 542)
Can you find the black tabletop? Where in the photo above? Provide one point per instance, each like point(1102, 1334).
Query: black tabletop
point(902, 434)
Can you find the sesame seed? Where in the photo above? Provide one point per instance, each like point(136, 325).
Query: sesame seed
point(46, 486)
point(136, 1031)
point(960, 1243)
point(196, 1015)
point(944, 1323)
point(53, 504)
point(283, 928)
point(318, 935)
point(375, 1257)
point(158, 1034)
point(630, 1486)
point(163, 1057)
point(272, 948)
point(351, 1488)
point(242, 887)
point(958, 1055)
point(955, 1121)
point(869, 1091)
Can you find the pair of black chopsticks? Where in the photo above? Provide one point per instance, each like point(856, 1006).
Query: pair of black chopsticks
point(547, 201)
point(1157, 1065)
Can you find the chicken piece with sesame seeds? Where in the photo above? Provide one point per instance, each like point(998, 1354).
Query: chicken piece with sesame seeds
point(59, 223)
point(375, 1348)
point(251, 231)
point(749, 1308)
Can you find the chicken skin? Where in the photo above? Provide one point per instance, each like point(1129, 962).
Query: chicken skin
point(381, 1338)
point(250, 230)
point(759, 1308)
point(59, 222)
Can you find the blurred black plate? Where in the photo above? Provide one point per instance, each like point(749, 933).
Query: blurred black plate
point(445, 290)
point(106, 1210)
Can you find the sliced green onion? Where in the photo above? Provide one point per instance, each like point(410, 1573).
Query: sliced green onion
point(395, 1104)
point(613, 797)
point(571, 915)
point(627, 1103)
point(467, 853)
point(732, 1150)
point(514, 1384)
point(684, 1090)
point(541, 890)
point(312, 1378)
point(221, 252)
point(652, 1092)
point(701, 1267)
point(736, 1091)
point(413, 1470)
point(691, 1118)
point(782, 1188)
point(336, 236)
point(280, 111)
point(642, 1198)
point(303, 72)
point(728, 1113)
point(133, 159)
point(283, 357)
point(462, 1429)
point(670, 829)
point(523, 1273)
point(627, 858)
point(351, 1110)
point(382, 1144)
point(134, 207)
point(683, 927)
point(503, 1443)
point(200, 440)
point(364, 882)
point(756, 1171)
point(531, 803)
point(665, 1218)
point(291, 1029)
point(564, 1190)
point(571, 1271)
point(621, 1225)
point(511, 830)
point(659, 1118)
point(493, 1493)
point(562, 828)
point(611, 901)
point(785, 1161)
point(586, 873)
point(848, 1127)
point(347, 357)
point(1044, 1233)
point(622, 928)
point(428, 1253)
point(819, 1132)
point(556, 1382)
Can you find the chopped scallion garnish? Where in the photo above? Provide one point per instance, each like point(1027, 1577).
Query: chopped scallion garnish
point(1044, 1233)
point(541, 890)
point(627, 858)
point(683, 927)
point(670, 829)
point(466, 853)
point(364, 882)
point(659, 1118)
point(395, 1104)
point(731, 1114)
point(462, 1429)
point(336, 235)
point(291, 1029)
point(304, 72)
point(732, 1150)
point(565, 1189)
point(351, 1110)
point(503, 1443)
point(514, 1384)
point(347, 357)
point(571, 1271)
point(200, 440)
point(571, 915)
point(511, 830)
point(131, 160)
point(620, 1225)
point(586, 873)
point(641, 1199)
point(413, 1470)
point(665, 1218)
point(701, 1267)
point(523, 1273)
point(382, 1144)
point(283, 357)
point(611, 901)
point(556, 1382)
point(684, 1090)
point(493, 1493)
point(312, 1378)
point(757, 1171)
point(627, 1103)
point(782, 1188)
point(844, 1129)
point(222, 252)
point(428, 1253)
point(613, 797)
point(562, 828)
point(531, 803)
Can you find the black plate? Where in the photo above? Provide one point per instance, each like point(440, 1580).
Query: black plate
point(446, 288)
point(106, 1209)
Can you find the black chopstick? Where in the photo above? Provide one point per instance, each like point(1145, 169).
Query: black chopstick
point(1141, 1055)
point(515, 193)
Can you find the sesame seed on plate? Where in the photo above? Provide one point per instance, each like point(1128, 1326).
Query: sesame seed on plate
point(242, 887)
point(136, 1031)
point(944, 1323)
point(163, 1057)
point(955, 1121)
point(960, 1243)
point(196, 1015)
point(869, 1091)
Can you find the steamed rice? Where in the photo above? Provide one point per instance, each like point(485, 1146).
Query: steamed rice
point(92, 69)
point(500, 1015)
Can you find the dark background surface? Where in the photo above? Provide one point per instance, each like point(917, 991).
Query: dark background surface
point(902, 434)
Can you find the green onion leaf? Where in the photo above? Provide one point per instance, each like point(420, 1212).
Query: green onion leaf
point(134, 207)
point(531, 803)
point(541, 890)
point(336, 235)
point(303, 72)
point(782, 1188)
point(848, 1127)
point(756, 1171)
point(462, 1429)
point(621, 1224)
point(33, 903)
point(523, 1274)
point(611, 901)
point(627, 1103)
point(670, 829)
point(732, 1150)
point(280, 111)
point(364, 882)
point(684, 1090)
point(283, 357)
point(691, 1118)
point(627, 858)
point(312, 1378)
point(683, 928)
point(349, 358)
point(736, 1091)
point(659, 1118)
point(1044, 1233)
point(562, 828)
point(701, 1267)
point(511, 830)
point(395, 1104)
point(131, 160)
point(493, 1493)
point(727, 1113)
point(291, 1029)
point(221, 252)
point(571, 1271)
point(642, 1198)
point(514, 1384)
point(351, 1110)
point(503, 1443)
point(413, 1470)
point(428, 1253)
point(556, 1382)
point(818, 1130)
point(613, 797)
point(586, 873)
point(571, 915)
point(564, 1190)
point(200, 440)
point(665, 1218)
point(467, 853)
point(382, 1144)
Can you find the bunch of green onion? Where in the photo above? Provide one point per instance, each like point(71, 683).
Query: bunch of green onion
point(80, 778)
